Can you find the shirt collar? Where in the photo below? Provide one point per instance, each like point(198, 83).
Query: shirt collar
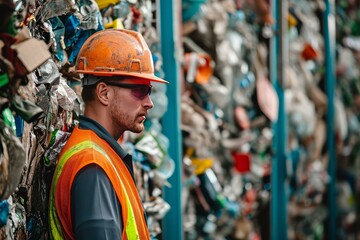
point(90, 124)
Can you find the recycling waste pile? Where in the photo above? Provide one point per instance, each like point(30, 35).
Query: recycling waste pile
point(228, 108)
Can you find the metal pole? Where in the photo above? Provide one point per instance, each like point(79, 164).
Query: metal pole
point(329, 38)
point(170, 50)
point(278, 61)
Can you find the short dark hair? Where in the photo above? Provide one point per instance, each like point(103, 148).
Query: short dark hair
point(88, 93)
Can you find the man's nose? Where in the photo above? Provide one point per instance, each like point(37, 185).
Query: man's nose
point(148, 103)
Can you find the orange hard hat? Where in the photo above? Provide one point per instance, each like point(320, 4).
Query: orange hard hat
point(116, 52)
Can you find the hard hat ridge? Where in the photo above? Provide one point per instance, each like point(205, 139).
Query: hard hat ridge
point(116, 52)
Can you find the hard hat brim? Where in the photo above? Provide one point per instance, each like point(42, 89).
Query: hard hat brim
point(150, 77)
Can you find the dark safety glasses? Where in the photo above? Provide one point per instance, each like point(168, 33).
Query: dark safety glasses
point(140, 91)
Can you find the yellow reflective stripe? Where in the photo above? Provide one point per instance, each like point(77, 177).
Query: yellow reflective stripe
point(131, 229)
point(55, 226)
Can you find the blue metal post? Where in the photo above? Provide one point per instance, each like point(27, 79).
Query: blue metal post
point(169, 22)
point(278, 58)
point(329, 38)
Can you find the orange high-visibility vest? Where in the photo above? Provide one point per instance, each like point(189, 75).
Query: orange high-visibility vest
point(84, 147)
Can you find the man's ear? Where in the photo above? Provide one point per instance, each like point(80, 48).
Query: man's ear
point(103, 93)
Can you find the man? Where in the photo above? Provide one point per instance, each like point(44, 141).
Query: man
point(93, 193)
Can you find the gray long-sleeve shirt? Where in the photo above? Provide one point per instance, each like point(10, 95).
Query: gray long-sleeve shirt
point(95, 210)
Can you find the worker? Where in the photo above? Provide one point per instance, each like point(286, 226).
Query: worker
point(93, 193)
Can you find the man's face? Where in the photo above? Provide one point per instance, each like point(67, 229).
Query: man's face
point(129, 107)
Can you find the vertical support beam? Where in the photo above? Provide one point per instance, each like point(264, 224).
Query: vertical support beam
point(278, 61)
point(329, 39)
point(169, 23)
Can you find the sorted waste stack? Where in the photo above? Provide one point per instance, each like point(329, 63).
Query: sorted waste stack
point(229, 107)
point(347, 104)
point(40, 104)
